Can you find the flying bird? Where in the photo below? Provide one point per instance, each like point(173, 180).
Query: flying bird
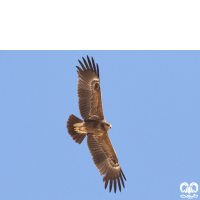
point(94, 125)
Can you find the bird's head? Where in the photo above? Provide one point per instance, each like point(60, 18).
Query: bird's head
point(107, 126)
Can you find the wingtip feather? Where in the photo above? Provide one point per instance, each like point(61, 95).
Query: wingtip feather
point(115, 186)
point(97, 70)
point(119, 184)
point(90, 64)
point(110, 185)
point(81, 65)
point(122, 180)
point(123, 175)
point(85, 63)
point(106, 184)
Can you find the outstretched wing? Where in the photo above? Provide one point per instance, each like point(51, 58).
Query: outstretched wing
point(105, 159)
point(89, 92)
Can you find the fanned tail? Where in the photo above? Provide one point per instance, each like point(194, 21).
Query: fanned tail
point(78, 137)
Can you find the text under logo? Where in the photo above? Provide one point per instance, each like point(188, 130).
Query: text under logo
point(189, 189)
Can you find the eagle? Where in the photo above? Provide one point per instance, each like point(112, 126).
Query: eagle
point(94, 125)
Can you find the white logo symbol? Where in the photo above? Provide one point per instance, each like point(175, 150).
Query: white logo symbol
point(192, 188)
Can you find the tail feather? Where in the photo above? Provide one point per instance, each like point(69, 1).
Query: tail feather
point(78, 137)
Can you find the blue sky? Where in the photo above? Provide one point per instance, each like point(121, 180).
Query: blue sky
point(151, 98)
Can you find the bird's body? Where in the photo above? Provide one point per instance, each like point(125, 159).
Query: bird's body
point(94, 125)
point(97, 127)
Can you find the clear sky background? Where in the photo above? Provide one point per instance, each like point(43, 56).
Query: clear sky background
point(151, 98)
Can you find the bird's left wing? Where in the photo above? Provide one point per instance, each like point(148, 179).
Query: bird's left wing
point(105, 159)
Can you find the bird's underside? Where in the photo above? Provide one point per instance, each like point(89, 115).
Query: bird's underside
point(95, 126)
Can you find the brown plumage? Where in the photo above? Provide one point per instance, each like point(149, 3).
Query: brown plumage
point(94, 125)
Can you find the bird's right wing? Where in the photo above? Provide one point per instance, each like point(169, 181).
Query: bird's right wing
point(89, 91)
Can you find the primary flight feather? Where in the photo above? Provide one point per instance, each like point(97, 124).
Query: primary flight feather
point(94, 125)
